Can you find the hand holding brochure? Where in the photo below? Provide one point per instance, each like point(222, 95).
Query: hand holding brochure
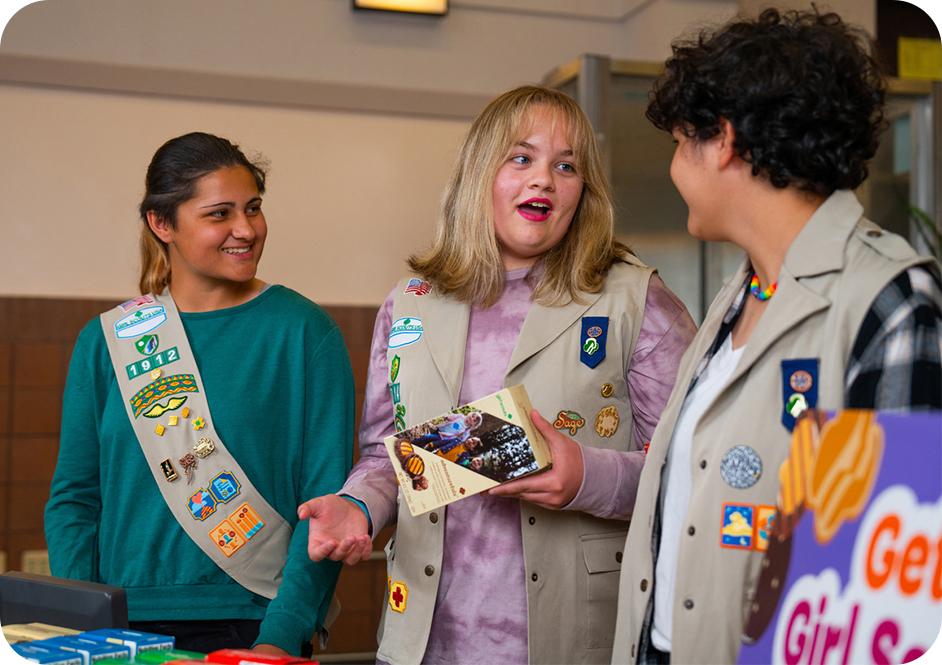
point(467, 450)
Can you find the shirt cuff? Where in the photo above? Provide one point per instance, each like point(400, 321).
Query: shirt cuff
point(599, 476)
point(361, 506)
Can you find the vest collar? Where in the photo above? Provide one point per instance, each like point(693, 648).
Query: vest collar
point(819, 247)
point(445, 322)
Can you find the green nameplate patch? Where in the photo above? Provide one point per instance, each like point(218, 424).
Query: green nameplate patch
point(150, 363)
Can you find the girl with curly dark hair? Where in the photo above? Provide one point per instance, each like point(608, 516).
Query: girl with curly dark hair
point(775, 119)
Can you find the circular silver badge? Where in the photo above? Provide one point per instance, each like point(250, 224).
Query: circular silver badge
point(741, 467)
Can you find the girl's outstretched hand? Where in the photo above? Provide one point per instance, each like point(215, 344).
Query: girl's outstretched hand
point(337, 530)
point(557, 486)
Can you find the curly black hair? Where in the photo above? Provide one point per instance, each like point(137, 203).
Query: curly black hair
point(800, 88)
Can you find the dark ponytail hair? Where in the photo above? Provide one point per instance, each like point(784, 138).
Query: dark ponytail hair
point(171, 180)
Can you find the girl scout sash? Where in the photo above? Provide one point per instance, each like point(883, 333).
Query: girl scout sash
point(203, 485)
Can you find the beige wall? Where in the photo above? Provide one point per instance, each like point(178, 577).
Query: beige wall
point(352, 193)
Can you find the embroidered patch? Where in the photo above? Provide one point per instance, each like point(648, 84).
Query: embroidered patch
point(801, 381)
point(140, 322)
point(204, 447)
point(569, 420)
point(400, 417)
point(151, 362)
point(394, 369)
point(201, 504)
point(592, 340)
point(169, 472)
point(799, 388)
point(738, 526)
point(139, 301)
point(607, 390)
point(796, 405)
point(404, 332)
point(224, 487)
point(159, 409)
point(606, 421)
point(227, 539)
point(163, 387)
point(741, 467)
point(147, 345)
point(246, 520)
point(418, 286)
point(765, 518)
point(398, 595)
point(394, 393)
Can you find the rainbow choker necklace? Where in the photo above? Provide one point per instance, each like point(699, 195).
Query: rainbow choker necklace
point(763, 294)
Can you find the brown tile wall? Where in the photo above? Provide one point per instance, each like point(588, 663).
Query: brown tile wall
point(34, 359)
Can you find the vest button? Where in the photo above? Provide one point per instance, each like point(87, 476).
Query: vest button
point(703, 464)
point(691, 531)
point(644, 585)
point(618, 557)
point(430, 570)
point(532, 520)
point(433, 518)
point(688, 604)
point(874, 233)
point(534, 577)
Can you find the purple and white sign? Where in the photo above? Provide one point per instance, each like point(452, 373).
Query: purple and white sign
point(854, 574)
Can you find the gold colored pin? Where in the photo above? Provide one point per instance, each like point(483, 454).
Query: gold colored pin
point(156, 374)
point(159, 430)
point(173, 421)
point(608, 390)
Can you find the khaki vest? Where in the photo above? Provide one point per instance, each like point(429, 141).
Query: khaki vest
point(831, 274)
point(572, 559)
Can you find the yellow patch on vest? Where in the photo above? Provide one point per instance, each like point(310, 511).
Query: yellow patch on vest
point(398, 593)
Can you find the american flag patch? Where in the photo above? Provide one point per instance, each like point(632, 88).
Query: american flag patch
point(418, 286)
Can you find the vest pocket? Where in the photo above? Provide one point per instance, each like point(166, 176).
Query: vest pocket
point(602, 554)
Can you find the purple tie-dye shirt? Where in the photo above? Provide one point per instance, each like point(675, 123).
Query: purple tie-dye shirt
point(481, 609)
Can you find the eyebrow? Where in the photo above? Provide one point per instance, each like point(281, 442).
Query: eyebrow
point(229, 204)
point(524, 144)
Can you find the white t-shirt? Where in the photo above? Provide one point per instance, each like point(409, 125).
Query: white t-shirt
point(676, 490)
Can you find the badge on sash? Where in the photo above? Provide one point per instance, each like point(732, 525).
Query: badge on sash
point(592, 340)
point(799, 388)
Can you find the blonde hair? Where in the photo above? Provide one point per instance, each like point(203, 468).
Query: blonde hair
point(464, 260)
point(155, 262)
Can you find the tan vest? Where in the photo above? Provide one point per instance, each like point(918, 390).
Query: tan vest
point(572, 559)
point(833, 271)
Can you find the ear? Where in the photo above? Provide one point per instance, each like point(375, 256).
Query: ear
point(160, 226)
point(726, 139)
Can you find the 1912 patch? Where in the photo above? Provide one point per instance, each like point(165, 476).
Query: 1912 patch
point(741, 467)
point(737, 528)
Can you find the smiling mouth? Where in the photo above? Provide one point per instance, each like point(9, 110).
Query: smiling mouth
point(535, 210)
point(237, 251)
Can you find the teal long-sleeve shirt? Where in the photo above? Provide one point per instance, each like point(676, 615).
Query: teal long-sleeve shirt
point(278, 381)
